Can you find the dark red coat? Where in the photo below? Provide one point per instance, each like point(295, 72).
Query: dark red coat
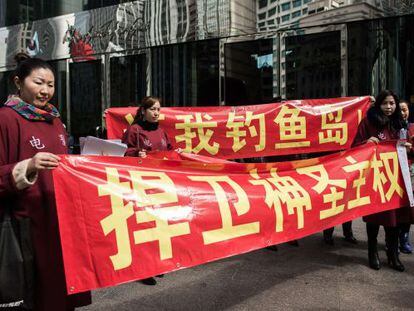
point(21, 139)
point(145, 136)
point(392, 217)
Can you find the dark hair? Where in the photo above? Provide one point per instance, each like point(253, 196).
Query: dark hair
point(146, 103)
point(377, 117)
point(26, 64)
point(405, 102)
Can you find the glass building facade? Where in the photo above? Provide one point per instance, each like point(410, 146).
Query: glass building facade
point(14, 12)
point(196, 53)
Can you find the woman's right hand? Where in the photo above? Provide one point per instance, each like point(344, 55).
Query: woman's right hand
point(42, 161)
point(373, 139)
point(142, 153)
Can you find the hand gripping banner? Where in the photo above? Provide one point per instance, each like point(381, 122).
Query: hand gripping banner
point(124, 219)
point(290, 127)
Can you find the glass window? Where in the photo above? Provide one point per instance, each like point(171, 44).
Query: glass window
point(380, 56)
point(285, 18)
point(85, 99)
point(59, 98)
point(262, 16)
point(6, 86)
point(272, 12)
point(14, 12)
point(262, 3)
point(307, 1)
point(295, 14)
point(186, 74)
point(285, 6)
point(94, 4)
point(271, 22)
point(304, 74)
point(297, 3)
point(304, 11)
point(249, 72)
point(128, 80)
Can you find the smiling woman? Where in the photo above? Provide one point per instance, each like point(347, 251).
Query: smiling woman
point(37, 88)
point(31, 136)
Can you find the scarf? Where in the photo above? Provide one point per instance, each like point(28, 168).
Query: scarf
point(30, 112)
point(148, 126)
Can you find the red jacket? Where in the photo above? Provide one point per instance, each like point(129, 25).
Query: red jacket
point(392, 217)
point(21, 139)
point(145, 136)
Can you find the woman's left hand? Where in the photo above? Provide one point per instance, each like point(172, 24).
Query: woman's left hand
point(179, 150)
point(407, 146)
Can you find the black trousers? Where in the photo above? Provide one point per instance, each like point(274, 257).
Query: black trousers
point(391, 236)
point(346, 228)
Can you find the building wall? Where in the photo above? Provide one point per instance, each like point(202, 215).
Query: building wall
point(131, 25)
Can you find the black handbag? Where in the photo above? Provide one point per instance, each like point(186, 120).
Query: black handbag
point(16, 263)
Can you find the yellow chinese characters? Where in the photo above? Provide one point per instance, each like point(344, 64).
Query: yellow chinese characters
point(198, 128)
point(149, 190)
point(333, 130)
point(384, 170)
point(362, 168)
point(283, 190)
point(241, 204)
point(389, 161)
point(319, 173)
point(292, 128)
point(237, 123)
point(117, 221)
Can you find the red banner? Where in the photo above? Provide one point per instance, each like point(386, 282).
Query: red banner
point(291, 127)
point(123, 219)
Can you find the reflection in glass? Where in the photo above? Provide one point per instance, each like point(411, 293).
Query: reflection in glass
point(128, 80)
point(14, 12)
point(249, 72)
point(313, 66)
point(381, 56)
point(59, 98)
point(85, 98)
point(6, 86)
point(186, 74)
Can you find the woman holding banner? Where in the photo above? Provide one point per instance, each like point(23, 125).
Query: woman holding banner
point(144, 135)
point(384, 122)
point(31, 134)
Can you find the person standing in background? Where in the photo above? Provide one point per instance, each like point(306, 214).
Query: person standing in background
point(145, 135)
point(404, 228)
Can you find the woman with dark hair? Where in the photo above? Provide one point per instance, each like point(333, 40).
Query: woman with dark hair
point(383, 122)
point(31, 134)
point(145, 135)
